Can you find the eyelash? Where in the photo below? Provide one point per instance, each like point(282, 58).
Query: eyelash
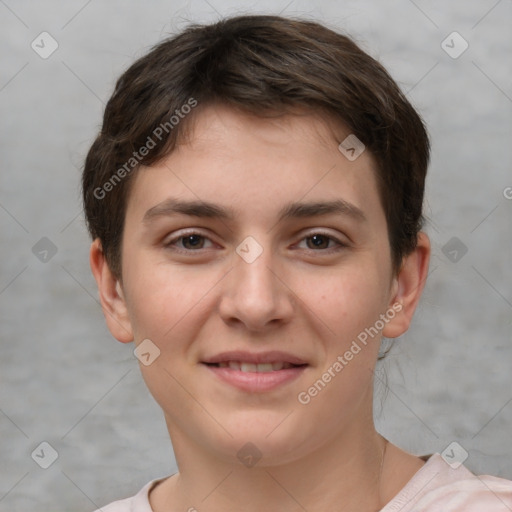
point(170, 243)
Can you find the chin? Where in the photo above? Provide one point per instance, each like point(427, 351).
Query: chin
point(266, 441)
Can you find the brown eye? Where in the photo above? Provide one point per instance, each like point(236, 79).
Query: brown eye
point(192, 241)
point(318, 241)
point(188, 242)
point(322, 242)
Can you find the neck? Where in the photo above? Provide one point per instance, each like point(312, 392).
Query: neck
point(344, 474)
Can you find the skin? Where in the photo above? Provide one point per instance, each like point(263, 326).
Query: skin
point(306, 299)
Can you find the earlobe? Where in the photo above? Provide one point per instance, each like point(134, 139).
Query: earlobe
point(408, 287)
point(111, 295)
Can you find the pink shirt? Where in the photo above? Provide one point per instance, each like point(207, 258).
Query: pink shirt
point(435, 487)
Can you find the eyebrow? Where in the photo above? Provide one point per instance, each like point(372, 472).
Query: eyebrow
point(205, 209)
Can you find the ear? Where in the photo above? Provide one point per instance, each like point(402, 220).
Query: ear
point(111, 295)
point(408, 287)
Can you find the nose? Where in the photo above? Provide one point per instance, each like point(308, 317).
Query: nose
point(256, 294)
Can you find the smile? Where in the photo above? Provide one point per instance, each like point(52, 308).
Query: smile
point(255, 377)
point(252, 367)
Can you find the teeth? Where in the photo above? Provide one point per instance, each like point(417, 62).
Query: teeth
point(265, 367)
point(251, 367)
point(248, 367)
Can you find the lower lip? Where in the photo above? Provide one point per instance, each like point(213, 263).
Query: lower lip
point(256, 382)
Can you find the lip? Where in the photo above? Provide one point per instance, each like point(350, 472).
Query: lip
point(256, 382)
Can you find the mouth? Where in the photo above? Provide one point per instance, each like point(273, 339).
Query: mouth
point(255, 367)
point(251, 372)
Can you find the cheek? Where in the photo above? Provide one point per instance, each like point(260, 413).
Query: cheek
point(168, 307)
point(168, 303)
point(348, 300)
point(348, 304)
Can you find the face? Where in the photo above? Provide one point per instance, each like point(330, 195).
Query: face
point(289, 263)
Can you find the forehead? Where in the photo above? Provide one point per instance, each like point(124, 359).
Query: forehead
point(220, 123)
point(247, 163)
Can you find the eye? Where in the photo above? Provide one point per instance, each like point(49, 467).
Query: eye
point(321, 241)
point(187, 242)
point(194, 241)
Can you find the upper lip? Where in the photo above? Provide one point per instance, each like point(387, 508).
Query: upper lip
point(255, 357)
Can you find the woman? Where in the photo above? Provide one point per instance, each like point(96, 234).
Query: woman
point(255, 203)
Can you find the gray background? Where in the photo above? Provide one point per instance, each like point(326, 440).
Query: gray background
point(66, 381)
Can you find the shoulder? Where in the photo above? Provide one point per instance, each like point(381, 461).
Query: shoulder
point(470, 494)
point(125, 505)
point(137, 503)
point(438, 486)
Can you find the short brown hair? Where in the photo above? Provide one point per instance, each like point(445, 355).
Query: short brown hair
point(261, 65)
